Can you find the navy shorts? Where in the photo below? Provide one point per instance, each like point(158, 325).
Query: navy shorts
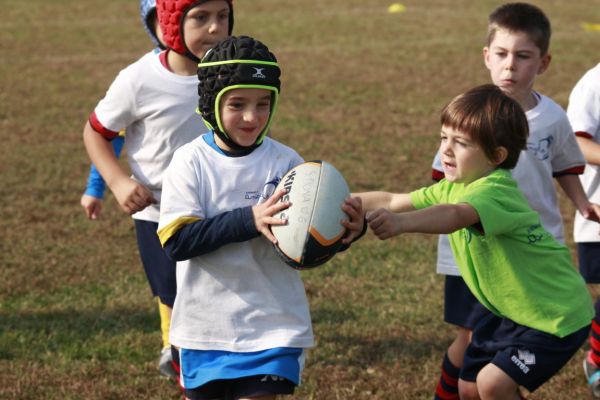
point(530, 357)
point(589, 261)
point(461, 308)
point(160, 269)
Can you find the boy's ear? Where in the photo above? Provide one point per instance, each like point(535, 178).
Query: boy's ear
point(500, 155)
point(486, 56)
point(546, 58)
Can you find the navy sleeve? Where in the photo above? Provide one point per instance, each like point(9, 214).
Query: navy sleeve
point(209, 234)
point(95, 184)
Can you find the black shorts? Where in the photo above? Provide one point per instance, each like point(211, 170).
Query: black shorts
point(160, 269)
point(589, 261)
point(251, 386)
point(461, 308)
point(530, 357)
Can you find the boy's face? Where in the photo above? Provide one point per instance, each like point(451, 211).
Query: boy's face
point(244, 115)
point(514, 61)
point(205, 25)
point(463, 160)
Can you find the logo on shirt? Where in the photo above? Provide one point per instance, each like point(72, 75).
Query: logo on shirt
point(258, 73)
point(266, 192)
point(532, 236)
point(467, 234)
point(523, 359)
point(541, 149)
point(269, 187)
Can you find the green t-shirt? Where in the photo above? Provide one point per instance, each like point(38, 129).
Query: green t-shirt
point(510, 262)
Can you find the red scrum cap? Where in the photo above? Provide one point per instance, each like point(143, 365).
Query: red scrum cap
point(170, 17)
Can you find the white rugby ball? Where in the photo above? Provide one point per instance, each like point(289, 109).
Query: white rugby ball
point(313, 233)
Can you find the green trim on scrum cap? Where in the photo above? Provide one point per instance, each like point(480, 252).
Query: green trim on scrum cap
point(213, 63)
point(273, 107)
point(218, 77)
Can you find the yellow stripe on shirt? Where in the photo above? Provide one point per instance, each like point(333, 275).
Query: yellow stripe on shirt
point(165, 233)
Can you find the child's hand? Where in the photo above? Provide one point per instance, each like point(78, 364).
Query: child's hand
point(132, 195)
point(591, 211)
point(384, 223)
point(91, 206)
point(353, 207)
point(263, 214)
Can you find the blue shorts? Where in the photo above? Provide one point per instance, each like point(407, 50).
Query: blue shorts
point(530, 357)
point(160, 269)
point(461, 308)
point(208, 374)
point(589, 261)
point(248, 387)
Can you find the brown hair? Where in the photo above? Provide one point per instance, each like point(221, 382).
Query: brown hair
point(521, 17)
point(492, 119)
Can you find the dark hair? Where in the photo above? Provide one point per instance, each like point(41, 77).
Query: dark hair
point(521, 17)
point(492, 119)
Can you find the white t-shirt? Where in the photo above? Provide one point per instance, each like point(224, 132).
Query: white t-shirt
point(584, 114)
point(157, 109)
point(551, 149)
point(241, 297)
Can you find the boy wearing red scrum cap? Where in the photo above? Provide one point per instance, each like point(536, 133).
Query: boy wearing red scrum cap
point(92, 198)
point(153, 100)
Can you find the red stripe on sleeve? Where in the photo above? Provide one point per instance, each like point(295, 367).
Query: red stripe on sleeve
point(98, 127)
point(578, 170)
point(437, 175)
point(583, 134)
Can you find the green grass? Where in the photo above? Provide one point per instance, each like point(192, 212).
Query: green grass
point(362, 88)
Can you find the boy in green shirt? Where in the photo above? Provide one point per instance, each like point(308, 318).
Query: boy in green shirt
point(541, 309)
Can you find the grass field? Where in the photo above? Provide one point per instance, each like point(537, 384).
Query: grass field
point(362, 88)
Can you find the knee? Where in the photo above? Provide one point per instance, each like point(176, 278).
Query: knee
point(487, 389)
point(492, 390)
point(468, 390)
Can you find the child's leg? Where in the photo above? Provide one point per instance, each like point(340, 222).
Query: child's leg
point(165, 322)
point(167, 365)
point(527, 356)
point(594, 353)
point(447, 387)
point(462, 309)
point(456, 350)
point(160, 271)
point(493, 383)
point(589, 266)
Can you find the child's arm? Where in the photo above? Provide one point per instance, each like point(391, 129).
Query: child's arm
point(590, 150)
point(91, 200)
point(394, 202)
point(239, 225)
point(573, 189)
point(443, 218)
point(131, 195)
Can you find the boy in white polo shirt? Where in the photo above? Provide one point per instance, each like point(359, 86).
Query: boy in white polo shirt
point(584, 114)
point(91, 200)
point(153, 101)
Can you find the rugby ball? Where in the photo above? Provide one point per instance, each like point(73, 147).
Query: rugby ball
point(313, 233)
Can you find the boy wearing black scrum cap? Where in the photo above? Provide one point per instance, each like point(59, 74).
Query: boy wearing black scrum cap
point(240, 320)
